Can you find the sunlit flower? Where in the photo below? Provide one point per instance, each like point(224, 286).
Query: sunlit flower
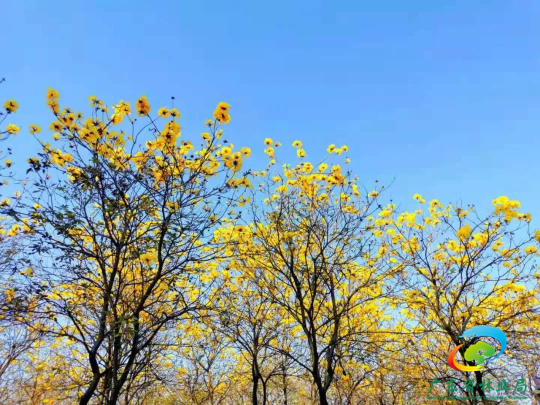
point(164, 112)
point(13, 129)
point(11, 106)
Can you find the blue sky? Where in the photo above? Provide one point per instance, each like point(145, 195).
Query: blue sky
point(443, 96)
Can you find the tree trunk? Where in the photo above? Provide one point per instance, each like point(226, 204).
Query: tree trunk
point(264, 391)
point(255, 388)
point(87, 396)
point(284, 388)
point(321, 392)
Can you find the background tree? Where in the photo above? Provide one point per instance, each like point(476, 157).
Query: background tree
point(15, 339)
point(208, 368)
point(247, 318)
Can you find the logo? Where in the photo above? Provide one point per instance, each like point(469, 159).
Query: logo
point(480, 350)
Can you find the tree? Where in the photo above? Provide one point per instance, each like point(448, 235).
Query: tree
point(123, 232)
point(208, 370)
point(460, 270)
point(252, 324)
point(15, 339)
point(310, 246)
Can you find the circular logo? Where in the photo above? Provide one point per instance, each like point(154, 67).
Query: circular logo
point(480, 350)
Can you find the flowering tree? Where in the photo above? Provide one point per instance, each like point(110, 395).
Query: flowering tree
point(125, 227)
point(461, 270)
point(309, 246)
point(15, 339)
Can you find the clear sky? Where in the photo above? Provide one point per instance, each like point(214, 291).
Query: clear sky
point(443, 96)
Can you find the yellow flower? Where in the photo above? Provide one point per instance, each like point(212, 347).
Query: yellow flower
point(60, 158)
point(34, 129)
point(531, 250)
point(323, 167)
point(74, 171)
point(308, 167)
point(301, 153)
point(226, 151)
point(56, 126)
point(13, 129)
point(8, 163)
point(143, 107)
point(122, 109)
point(56, 137)
point(29, 272)
point(223, 106)
point(14, 231)
point(323, 197)
point(331, 148)
point(243, 200)
point(497, 244)
point(503, 205)
point(221, 113)
point(117, 118)
point(175, 113)
point(233, 161)
point(268, 142)
point(385, 213)
point(171, 132)
point(464, 232)
point(297, 144)
point(373, 194)
point(97, 103)
point(35, 162)
point(10, 294)
point(52, 94)
point(269, 151)
point(524, 217)
point(164, 112)
point(148, 258)
point(53, 105)
point(246, 152)
point(11, 106)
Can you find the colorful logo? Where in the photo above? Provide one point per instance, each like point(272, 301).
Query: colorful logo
point(480, 350)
